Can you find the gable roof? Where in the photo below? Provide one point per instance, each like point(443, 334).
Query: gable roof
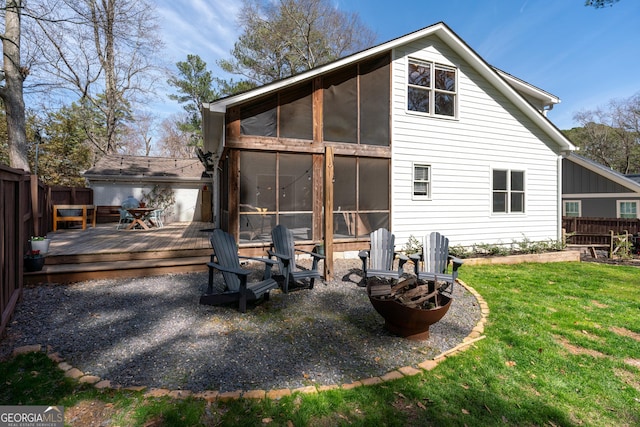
point(507, 85)
point(604, 171)
point(116, 167)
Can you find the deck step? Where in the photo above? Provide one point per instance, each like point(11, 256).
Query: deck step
point(75, 272)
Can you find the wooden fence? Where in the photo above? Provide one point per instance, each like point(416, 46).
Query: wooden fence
point(583, 225)
point(15, 192)
point(26, 209)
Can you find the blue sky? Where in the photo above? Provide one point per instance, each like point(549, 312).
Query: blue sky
point(585, 56)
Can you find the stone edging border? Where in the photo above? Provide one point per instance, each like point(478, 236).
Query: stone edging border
point(211, 396)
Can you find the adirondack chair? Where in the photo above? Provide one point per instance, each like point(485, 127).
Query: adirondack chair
point(436, 259)
point(225, 259)
point(283, 249)
point(378, 261)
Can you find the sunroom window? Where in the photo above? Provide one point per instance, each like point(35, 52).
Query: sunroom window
point(432, 88)
point(275, 188)
point(361, 196)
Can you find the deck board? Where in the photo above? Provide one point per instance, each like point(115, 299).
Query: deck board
point(105, 238)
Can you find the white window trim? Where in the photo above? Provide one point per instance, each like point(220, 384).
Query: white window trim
point(618, 202)
point(508, 191)
point(414, 196)
point(564, 206)
point(432, 90)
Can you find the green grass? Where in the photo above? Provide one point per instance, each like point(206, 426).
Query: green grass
point(554, 354)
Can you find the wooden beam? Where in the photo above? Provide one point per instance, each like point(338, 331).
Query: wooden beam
point(234, 194)
point(233, 126)
point(328, 213)
point(317, 110)
point(318, 196)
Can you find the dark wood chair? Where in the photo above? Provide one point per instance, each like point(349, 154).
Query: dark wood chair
point(379, 259)
point(225, 259)
point(436, 260)
point(283, 249)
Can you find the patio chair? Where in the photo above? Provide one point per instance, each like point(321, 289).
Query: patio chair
point(125, 218)
point(436, 259)
point(379, 259)
point(284, 250)
point(156, 218)
point(237, 287)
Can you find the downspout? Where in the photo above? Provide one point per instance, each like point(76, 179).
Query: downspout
point(560, 202)
point(215, 177)
point(213, 130)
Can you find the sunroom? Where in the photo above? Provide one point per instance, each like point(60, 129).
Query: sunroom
point(319, 145)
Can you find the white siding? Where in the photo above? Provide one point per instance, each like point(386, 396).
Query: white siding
point(490, 132)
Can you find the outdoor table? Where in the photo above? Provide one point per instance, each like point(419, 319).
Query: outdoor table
point(139, 215)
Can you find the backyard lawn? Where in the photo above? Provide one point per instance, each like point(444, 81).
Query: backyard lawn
point(562, 348)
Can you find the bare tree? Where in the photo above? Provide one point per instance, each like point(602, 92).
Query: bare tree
point(285, 37)
point(137, 137)
point(174, 141)
point(104, 51)
point(611, 135)
point(12, 91)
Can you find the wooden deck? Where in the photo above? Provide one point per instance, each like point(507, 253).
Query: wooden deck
point(105, 252)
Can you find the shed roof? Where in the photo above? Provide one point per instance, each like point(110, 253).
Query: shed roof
point(122, 167)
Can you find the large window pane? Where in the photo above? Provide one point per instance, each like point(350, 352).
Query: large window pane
point(374, 184)
point(295, 186)
point(296, 113)
point(260, 118)
point(340, 106)
point(344, 186)
point(375, 99)
point(373, 221)
point(257, 181)
point(299, 224)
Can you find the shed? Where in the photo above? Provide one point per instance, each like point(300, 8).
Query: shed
point(183, 183)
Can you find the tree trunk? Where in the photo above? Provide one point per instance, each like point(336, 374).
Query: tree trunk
point(11, 93)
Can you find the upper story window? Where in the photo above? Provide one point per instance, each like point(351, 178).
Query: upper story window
point(421, 181)
point(628, 209)
point(432, 88)
point(508, 191)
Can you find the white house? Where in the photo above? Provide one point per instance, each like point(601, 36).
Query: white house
point(417, 134)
